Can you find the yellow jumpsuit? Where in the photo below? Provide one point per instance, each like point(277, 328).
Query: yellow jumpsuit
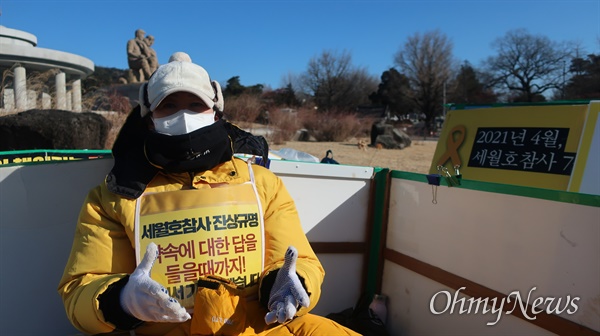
point(103, 253)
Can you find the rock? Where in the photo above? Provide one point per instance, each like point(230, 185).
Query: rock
point(386, 136)
point(401, 138)
point(303, 135)
point(53, 129)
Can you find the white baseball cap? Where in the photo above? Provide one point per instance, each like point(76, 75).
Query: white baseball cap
point(180, 74)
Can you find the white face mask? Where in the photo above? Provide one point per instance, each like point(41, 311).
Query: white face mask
point(183, 122)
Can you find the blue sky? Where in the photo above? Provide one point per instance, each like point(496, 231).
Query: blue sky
point(264, 41)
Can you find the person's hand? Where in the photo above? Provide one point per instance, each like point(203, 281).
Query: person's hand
point(287, 292)
point(146, 299)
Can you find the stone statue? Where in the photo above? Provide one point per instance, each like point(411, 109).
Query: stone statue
point(151, 54)
point(137, 57)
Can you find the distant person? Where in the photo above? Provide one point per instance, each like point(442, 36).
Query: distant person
point(327, 159)
point(183, 238)
point(137, 58)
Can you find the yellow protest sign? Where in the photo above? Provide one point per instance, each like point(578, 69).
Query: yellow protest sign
point(533, 145)
point(586, 173)
point(199, 233)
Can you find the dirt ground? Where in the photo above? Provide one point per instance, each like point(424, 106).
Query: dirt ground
point(415, 158)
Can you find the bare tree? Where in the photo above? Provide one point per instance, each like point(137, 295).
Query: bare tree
point(426, 60)
point(359, 85)
point(295, 82)
point(527, 65)
point(334, 83)
point(290, 79)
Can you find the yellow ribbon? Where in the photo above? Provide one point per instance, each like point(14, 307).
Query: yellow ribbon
point(452, 146)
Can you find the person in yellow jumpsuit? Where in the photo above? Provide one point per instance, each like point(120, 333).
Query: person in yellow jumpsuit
point(183, 238)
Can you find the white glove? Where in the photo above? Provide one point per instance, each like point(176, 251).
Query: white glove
point(146, 299)
point(287, 291)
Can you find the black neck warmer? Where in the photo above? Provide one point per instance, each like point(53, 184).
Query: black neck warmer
point(197, 151)
point(139, 154)
point(131, 171)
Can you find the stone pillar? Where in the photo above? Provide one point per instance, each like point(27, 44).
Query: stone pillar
point(9, 99)
point(20, 88)
point(31, 99)
point(61, 91)
point(76, 92)
point(46, 101)
point(69, 100)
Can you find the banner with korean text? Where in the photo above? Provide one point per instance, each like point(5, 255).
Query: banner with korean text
point(202, 232)
point(528, 145)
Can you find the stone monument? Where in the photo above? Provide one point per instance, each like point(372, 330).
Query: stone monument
point(152, 58)
point(141, 58)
